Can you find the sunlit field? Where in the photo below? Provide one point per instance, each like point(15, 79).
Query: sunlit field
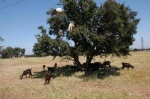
point(110, 83)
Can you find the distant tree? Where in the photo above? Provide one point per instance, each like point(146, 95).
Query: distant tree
point(1, 39)
point(22, 51)
point(102, 31)
point(19, 52)
point(10, 52)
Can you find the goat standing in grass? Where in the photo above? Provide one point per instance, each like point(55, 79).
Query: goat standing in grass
point(28, 71)
point(107, 63)
point(52, 69)
point(48, 76)
point(127, 65)
point(44, 67)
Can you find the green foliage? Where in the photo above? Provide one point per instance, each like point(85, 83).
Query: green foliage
point(47, 46)
point(103, 30)
point(1, 39)
point(43, 45)
point(118, 25)
point(10, 52)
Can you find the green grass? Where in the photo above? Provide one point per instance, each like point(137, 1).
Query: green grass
point(113, 83)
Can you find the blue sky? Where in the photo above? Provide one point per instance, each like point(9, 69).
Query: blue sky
point(19, 21)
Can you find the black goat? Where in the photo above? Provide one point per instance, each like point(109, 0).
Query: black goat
point(93, 66)
point(44, 67)
point(127, 65)
point(28, 71)
point(52, 69)
point(48, 76)
point(107, 63)
point(73, 68)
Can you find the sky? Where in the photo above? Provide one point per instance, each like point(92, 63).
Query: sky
point(19, 21)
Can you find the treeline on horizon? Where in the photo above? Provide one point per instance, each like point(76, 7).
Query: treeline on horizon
point(135, 49)
point(17, 52)
point(11, 52)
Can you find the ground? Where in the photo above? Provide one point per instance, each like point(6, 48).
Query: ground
point(117, 84)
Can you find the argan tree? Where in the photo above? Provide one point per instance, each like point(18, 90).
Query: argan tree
point(98, 30)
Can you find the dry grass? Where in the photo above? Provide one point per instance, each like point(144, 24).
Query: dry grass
point(113, 84)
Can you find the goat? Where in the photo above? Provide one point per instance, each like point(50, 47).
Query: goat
point(48, 76)
point(99, 64)
point(28, 71)
point(52, 69)
point(107, 63)
point(73, 67)
point(59, 10)
point(44, 67)
point(60, 33)
point(71, 26)
point(93, 66)
point(55, 65)
point(127, 65)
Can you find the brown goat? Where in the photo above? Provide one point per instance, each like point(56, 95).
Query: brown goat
point(107, 63)
point(28, 71)
point(44, 67)
point(48, 76)
point(127, 65)
point(55, 65)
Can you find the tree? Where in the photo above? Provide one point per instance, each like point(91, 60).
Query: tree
point(18, 52)
point(43, 46)
point(1, 39)
point(102, 31)
point(46, 46)
point(10, 52)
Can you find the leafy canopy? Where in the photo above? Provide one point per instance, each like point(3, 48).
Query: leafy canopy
point(103, 30)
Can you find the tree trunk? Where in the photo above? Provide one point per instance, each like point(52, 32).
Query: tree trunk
point(88, 61)
point(75, 57)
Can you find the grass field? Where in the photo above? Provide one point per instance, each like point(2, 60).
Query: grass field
point(107, 84)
